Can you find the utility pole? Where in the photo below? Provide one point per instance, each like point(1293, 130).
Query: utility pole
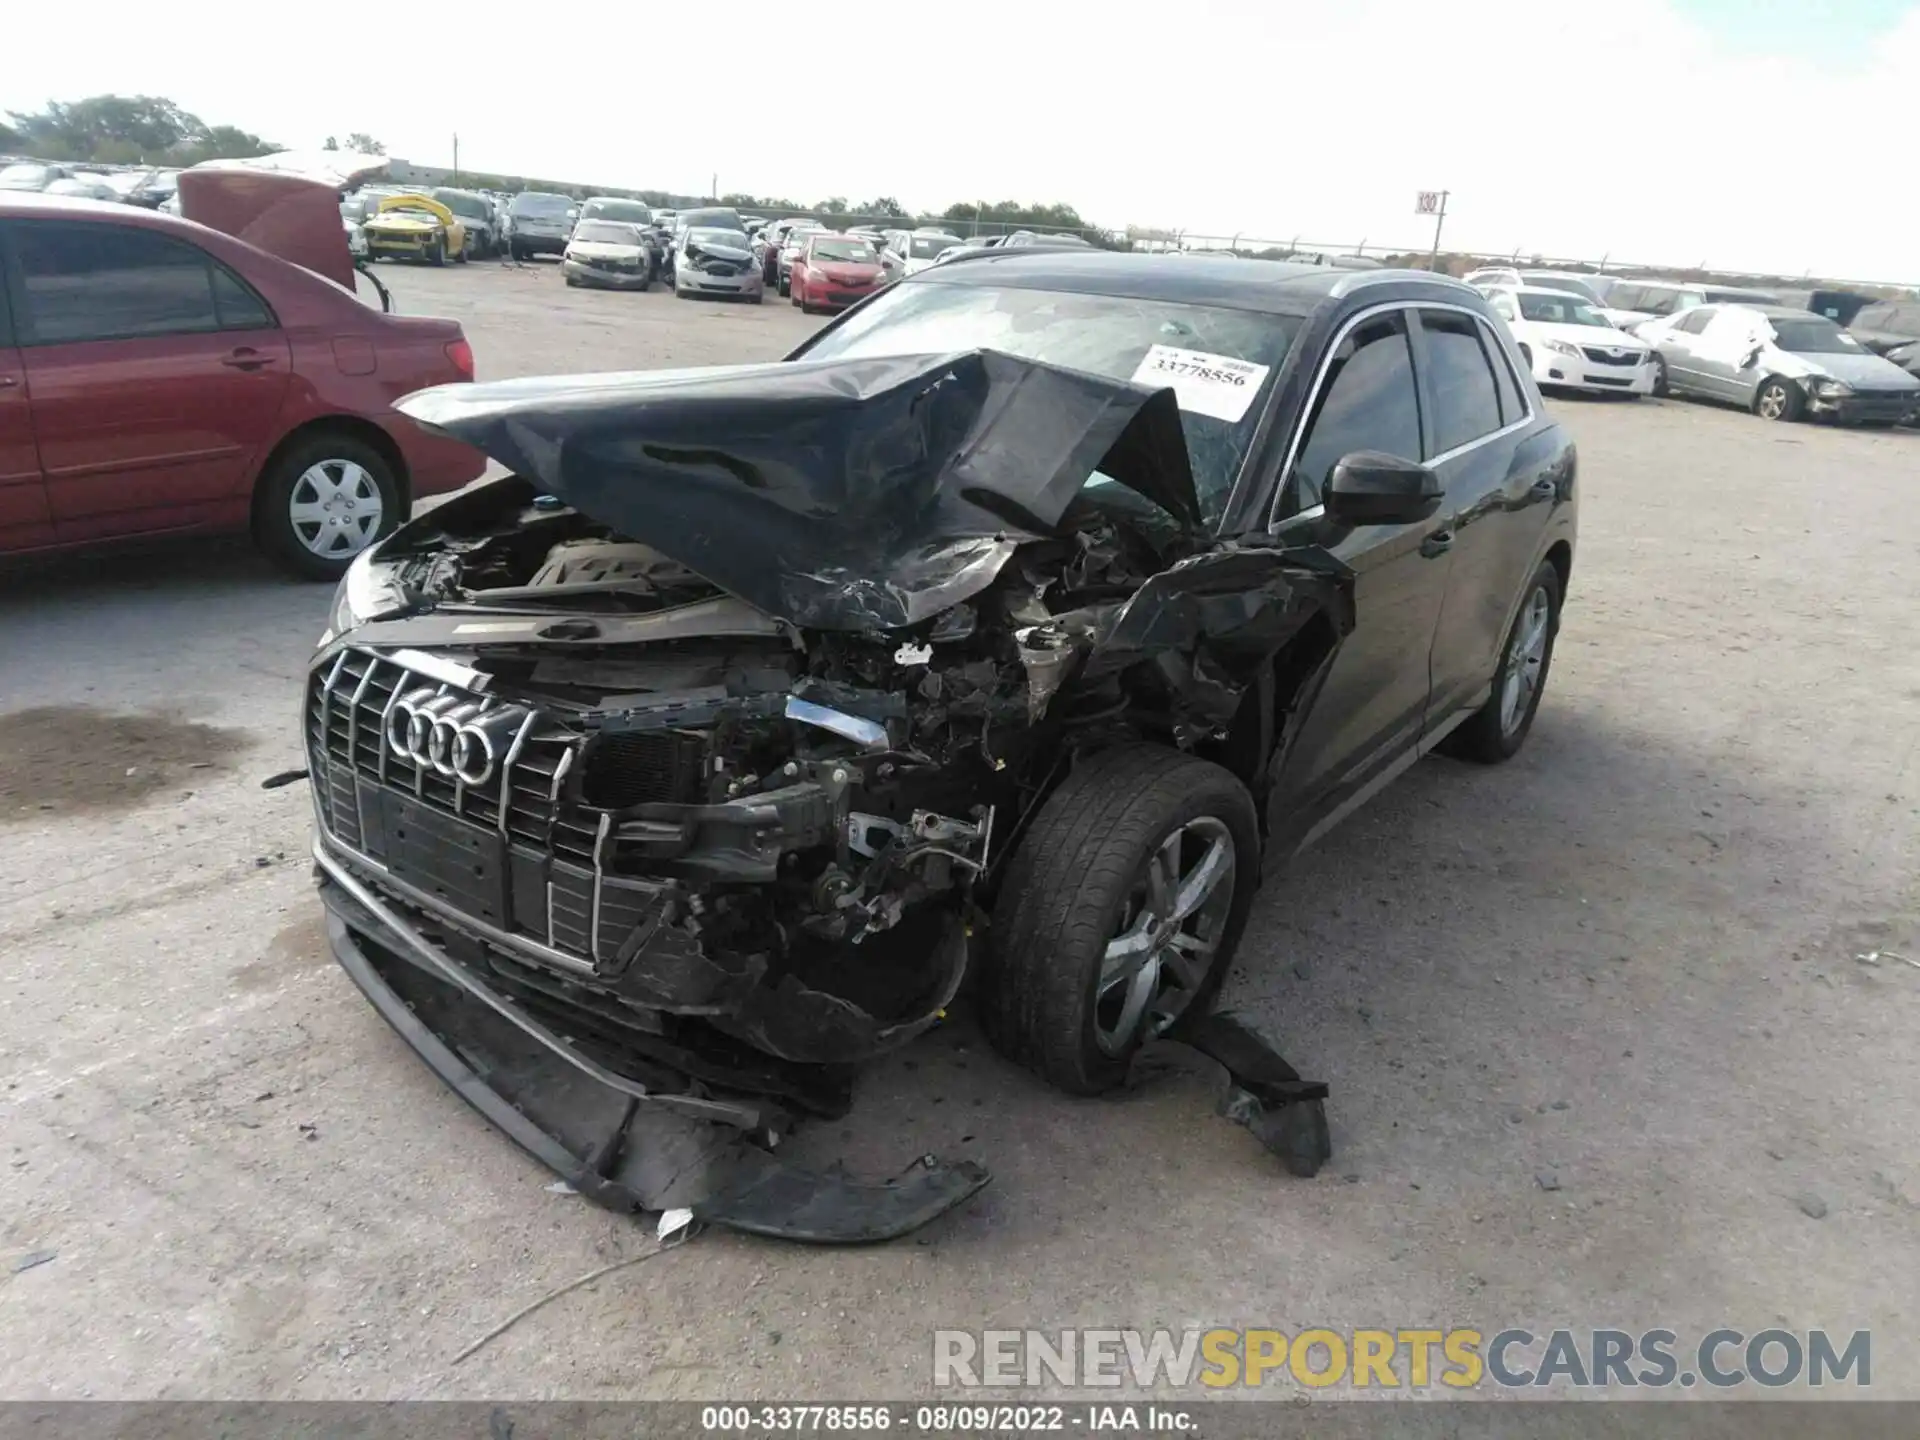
point(1439, 219)
point(456, 158)
point(714, 180)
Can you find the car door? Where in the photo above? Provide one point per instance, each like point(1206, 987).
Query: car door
point(1372, 705)
point(1723, 349)
point(1499, 494)
point(24, 521)
point(1678, 342)
point(157, 375)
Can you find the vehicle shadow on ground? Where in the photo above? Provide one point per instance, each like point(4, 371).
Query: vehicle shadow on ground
point(154, 623)
point(200, 565)
point(1399, 961)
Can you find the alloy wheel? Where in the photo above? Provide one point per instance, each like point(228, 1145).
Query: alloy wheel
point(1773, 401)
point(1525, 660)
point(1168, 938)
point(335, 509)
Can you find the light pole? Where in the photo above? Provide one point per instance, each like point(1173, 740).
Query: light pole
point(1439, 219)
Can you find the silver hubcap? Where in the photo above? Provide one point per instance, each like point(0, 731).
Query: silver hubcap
point(1773, 402)
point(336, 508)
point(1525, 660)
point(1168, 936)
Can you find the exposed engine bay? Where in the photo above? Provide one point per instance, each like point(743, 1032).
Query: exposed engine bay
point(714, 814)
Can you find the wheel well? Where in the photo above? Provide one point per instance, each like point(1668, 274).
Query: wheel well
point(365, 431)
point(1268, 708)
point(1560, 556)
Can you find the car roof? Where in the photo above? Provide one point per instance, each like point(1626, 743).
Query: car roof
point(37, 205)
point(1269, 286)
point(1541, 290)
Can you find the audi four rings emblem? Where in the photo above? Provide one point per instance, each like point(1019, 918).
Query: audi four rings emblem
point(452, 734)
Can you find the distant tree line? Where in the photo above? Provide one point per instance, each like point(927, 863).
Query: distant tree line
point(125, 130)
point(151, 130)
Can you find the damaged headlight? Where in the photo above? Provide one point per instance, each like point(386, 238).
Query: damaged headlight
point(365, 592)
point(1830, 388)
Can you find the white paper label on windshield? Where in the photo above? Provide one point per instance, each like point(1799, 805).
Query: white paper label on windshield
point(1204, 384)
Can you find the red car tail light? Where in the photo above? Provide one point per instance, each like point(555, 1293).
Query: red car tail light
point(461, 354)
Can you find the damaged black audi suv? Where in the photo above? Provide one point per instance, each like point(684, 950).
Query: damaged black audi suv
point(995, 638)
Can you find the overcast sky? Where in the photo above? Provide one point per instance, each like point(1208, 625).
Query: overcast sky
point(1751, 134)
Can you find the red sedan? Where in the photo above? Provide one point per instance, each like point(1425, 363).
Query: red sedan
point(834, 271)
point(158, 377)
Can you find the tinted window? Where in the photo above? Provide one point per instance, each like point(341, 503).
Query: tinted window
point(1511, 406)
point(462, 203)
point(115, 282)
point(539, 206)
point(237, 306)
point(1815, 336)
point(1367, 402)
point(1695, 320)
point(631, 211)
point(1466, 404)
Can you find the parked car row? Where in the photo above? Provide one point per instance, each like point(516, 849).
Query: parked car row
point(149, 189)
point(1838, 356)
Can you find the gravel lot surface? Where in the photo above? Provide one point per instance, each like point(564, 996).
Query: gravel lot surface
point(1599, 1042)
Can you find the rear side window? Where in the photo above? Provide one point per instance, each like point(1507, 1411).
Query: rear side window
point(1695, 320)
point(1512, 407)
point(83, 282)
point(1367, 402)
point(1466, 401)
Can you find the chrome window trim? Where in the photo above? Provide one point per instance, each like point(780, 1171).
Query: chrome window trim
point(1274, 519)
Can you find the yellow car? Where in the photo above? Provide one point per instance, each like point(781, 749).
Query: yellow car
point(413, 227)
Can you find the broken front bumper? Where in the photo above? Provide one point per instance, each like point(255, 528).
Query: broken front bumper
point(624, 1144)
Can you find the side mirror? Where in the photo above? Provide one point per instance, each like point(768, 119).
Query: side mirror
point(1370, 487)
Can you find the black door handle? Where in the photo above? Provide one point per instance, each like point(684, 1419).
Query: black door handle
point(7, 382)
point(1438, 543)
point(247, 359)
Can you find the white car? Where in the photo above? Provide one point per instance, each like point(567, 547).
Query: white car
point(918, 249)
point(1566, 342)
point(608, 252)
point(710, 260)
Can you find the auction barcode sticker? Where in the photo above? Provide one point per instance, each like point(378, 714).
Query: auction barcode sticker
point(1204, 384)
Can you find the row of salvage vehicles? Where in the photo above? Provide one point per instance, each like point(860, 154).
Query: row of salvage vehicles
point(1784, 355)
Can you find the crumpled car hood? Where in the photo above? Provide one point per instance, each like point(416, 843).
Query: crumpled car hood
point(847, 494)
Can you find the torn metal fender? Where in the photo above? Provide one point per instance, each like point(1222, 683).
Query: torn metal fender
point(618, 1149)
point(1208, 623)
point(848, 494)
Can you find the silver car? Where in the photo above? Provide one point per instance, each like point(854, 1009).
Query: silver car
point(1782, 364)
point(715, 262)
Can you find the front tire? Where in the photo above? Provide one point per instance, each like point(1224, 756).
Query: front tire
point(437, 253)
point(1778, 399)
point(1119, 913)
point(1498, 729)
point(1660, 376)
point(322, 501)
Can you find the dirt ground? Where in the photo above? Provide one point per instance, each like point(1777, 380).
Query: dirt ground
point(1600, 1046)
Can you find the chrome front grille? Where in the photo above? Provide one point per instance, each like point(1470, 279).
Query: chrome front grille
point(516, 852)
